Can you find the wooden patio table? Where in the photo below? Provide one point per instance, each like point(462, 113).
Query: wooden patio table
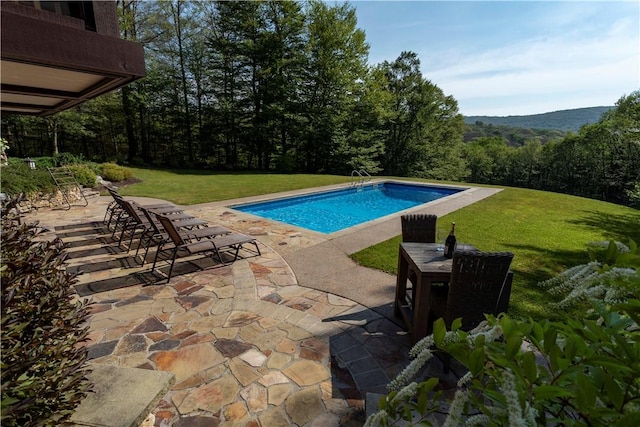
point(430, 266)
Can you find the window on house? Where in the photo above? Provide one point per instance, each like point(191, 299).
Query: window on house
point(75, 9)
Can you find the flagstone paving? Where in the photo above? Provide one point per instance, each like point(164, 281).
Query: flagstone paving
point(247, 345)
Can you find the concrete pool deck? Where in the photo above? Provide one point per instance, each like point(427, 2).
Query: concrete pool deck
point(297, 336)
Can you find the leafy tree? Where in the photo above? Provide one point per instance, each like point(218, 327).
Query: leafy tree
point(525, 168)
point(424, 128)
point(404, 83)
point(336, 63)
point(489, 160)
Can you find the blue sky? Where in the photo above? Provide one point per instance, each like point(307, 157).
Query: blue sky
point(504, 58)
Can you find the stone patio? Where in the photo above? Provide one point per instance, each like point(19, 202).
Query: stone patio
point(247, 345)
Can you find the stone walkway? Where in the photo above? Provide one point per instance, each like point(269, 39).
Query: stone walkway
point(248, 346)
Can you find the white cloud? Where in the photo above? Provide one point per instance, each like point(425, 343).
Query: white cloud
point(561, 71)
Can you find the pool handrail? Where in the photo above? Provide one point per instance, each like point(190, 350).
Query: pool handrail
point(363, 176)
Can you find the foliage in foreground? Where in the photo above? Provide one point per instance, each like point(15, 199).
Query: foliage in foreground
point(43, 363)
point(570, 372)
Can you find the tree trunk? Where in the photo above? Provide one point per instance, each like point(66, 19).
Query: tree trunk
point(127, 108)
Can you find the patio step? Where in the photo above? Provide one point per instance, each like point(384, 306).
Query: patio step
point(121, 397)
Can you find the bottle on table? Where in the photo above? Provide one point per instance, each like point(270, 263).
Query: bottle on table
point(450, 242)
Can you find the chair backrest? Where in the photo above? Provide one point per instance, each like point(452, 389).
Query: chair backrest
point(131, 210)
point(116, 196)
point(171, 230)
point(477, 286)
point(114, 193)
point(153, 220)
point(419, 228)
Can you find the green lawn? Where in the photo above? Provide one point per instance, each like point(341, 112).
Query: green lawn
point(547, 232)
point(188, 187)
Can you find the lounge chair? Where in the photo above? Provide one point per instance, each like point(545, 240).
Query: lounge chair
point(155, 233)
point(116, 212)
point(232, 242)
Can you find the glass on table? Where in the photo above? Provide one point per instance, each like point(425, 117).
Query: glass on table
point(440, 236)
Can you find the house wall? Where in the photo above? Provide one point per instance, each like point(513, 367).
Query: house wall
point(42, 15)
point(105, 14)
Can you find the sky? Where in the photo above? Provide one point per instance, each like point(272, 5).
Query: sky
point(501, 58)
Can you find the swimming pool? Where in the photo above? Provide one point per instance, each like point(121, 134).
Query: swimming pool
point(336, 210)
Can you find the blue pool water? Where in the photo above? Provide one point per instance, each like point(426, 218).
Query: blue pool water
point(332, 211)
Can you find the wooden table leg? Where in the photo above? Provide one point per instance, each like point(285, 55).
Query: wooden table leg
point(401, 284)
point(421, 308)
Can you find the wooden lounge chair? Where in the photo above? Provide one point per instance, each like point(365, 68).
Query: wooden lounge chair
point(231, 242)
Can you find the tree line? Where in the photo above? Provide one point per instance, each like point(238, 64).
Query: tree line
point(286, 86)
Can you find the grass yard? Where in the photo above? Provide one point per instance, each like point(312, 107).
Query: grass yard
point(547, 232)
point(188, 187)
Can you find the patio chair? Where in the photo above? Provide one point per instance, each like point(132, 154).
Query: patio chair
point(480, 284)
point(117, 214)
point(114, 209)
point(232, 242)
point(419, 228)
point(155, 233)
point(133, 223)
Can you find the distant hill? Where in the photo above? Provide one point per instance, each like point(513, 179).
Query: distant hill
point(565, 120)
point(513, 136)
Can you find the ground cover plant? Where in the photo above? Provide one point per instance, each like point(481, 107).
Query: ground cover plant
point(546, 231)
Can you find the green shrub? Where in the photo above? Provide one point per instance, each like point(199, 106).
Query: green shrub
point(65, 159)
point(17, 178)
point(84, 175)
point(95, 167)
point(43, 362)
point(115, 173)
point(45, 162)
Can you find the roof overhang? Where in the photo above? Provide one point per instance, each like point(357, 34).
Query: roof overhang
point(46, 67)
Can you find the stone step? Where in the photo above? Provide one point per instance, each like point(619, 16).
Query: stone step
point(121, 397)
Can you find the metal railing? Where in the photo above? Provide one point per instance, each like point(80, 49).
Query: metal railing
point(359, 177)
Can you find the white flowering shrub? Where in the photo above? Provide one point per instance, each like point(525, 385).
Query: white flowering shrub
point(573, 372)
point(611, 280)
